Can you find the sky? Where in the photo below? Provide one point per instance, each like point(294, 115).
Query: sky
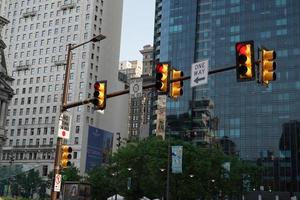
point(137, 28)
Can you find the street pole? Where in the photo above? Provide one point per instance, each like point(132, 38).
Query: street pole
point(60, 140)
point(168, 168)
point(63, 108)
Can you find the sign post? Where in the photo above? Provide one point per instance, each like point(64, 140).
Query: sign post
point(199, 74)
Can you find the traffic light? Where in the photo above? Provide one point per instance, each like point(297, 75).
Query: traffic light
point(162, 77)
point(66, 155)
point(118, 139)
point(267, 66)
point(245, 66)
point(176, 89)
point(100, 94)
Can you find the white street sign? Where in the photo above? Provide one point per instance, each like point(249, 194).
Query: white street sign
point(57, 183)
point(199, 74)
point(136, 87)
point(64, 125)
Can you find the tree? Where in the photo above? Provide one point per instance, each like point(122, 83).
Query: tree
point(26, 184)
point(71, 174)
point(101, 182)
point(140, 169)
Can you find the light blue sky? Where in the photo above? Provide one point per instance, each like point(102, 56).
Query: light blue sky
point(137, 28)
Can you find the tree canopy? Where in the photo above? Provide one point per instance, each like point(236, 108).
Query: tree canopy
point(140, 169)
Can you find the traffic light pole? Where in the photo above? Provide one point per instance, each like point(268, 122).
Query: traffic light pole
point(60, 140)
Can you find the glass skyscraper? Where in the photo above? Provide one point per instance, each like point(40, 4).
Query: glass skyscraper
point(251, 116)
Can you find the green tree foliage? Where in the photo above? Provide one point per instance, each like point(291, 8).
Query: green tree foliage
point(71, 174)
point(26, 184)
point(102, 183)
point(140, 169)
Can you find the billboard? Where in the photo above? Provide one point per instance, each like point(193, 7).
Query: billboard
point(99, 147)
point(76, 191)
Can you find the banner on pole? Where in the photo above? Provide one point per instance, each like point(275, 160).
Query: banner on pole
point(177, 159)
point(161, 116)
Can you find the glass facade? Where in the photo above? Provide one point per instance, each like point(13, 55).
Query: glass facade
point(252, 117)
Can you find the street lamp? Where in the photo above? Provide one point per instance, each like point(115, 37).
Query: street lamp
point(63, 109)
point(129, 179)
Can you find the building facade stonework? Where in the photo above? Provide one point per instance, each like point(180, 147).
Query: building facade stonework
point(6, 92)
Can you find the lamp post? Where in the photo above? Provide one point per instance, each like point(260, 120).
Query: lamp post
point(129, 179)
point(63, 109)
point(11, 160)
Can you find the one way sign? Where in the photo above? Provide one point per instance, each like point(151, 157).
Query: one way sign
point(199, 73)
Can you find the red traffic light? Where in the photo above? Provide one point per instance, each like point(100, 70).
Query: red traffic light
point(245, 66)
point(162, 77)
point(159, 68)
point(97, 86)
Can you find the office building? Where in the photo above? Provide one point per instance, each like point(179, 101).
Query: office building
point(147, 53)
point(138, 106)
point(36, 39)
point(133, 64)
point(250, 115)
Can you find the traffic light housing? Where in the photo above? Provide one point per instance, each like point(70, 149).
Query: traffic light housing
point(162, 77)
point(66, 155)
point(267, 66)
point(100, 94)
point(118, 139)
point(176, 88)
point(245, 65)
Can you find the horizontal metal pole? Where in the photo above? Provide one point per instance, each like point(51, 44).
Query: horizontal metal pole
point(75, 104)
point(151, 85)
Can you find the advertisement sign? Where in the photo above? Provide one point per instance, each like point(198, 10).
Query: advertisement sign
point(76, 191)
point(177, 159)
point(99, 147)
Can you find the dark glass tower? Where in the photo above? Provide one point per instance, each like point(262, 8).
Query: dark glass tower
point(251, 116)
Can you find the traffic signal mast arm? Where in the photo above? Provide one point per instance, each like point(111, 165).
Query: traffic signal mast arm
point(152, 85)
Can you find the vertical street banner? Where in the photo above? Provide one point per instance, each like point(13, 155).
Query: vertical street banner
point(177, 159)
point(161, 116)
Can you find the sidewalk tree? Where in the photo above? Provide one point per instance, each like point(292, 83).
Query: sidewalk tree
point(203, 175)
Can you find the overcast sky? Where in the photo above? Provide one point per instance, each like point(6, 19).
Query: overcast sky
point(137, 28)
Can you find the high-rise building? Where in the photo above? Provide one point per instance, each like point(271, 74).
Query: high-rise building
point(133, 64)
point(250, 115)
point(147, 53)
point(138, 106)
point(36, 55)
point(6, 91)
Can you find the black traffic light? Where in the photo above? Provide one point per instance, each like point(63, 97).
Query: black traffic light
point(118, 139)
point(100, 94)
point(66, 155)
point(245, 65)
point(162, 77)
point(267, 66)
point(176, 88)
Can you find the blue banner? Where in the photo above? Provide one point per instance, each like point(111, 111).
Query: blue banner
point(99, 147)
point(177, 159)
